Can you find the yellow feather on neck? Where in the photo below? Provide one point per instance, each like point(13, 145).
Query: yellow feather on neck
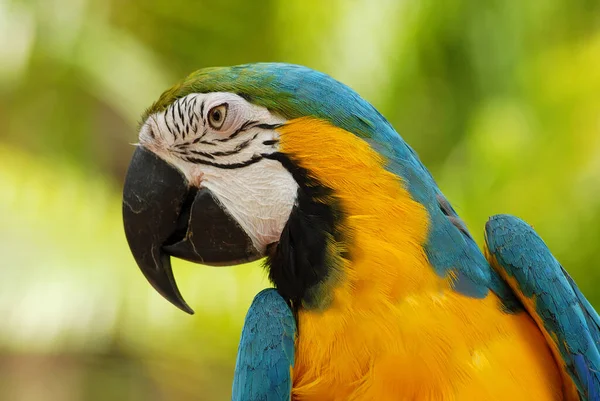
point(388, 230)
point(394, 329)
point(386, 226)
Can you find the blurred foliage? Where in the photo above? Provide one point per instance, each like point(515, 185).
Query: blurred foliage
point(499, 98)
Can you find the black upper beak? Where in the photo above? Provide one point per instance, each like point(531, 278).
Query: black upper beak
point(163, 216)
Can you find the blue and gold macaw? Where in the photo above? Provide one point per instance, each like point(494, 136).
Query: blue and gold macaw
point(380, 291)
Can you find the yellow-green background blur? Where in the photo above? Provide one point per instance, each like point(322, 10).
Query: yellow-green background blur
point(501, 99)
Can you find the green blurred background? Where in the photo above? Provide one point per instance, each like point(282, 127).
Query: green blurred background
point(500, 98)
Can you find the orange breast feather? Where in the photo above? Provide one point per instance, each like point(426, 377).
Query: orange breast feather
point(395, 330)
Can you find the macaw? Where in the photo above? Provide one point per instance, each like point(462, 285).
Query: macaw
point(380, 291)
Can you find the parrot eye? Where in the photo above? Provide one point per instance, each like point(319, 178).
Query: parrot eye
point(216, 116)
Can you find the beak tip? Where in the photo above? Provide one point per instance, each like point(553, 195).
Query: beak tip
point(162, 279)
point(170, 292)
point(188, 310)
point(182, 305)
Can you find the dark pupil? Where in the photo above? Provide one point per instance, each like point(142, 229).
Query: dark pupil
point(217, 115)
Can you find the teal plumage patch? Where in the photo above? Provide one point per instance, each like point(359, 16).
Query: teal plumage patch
point(565, 314)
point(266, 351)
point(291, 91)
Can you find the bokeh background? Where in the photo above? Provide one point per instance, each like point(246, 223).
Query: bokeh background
point(501, 99)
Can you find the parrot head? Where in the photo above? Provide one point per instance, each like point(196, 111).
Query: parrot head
point(234, 164)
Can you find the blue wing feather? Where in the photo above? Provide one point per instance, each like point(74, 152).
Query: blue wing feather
point(567, 317)
point(266, 351)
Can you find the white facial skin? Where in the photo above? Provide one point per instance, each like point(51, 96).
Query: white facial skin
point(217, 141)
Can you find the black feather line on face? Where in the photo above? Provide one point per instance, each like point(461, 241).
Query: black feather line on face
point(235, 150)
point(254, 159)
point(268, 126)
point(302, 258)
point(245, 126)
point(173, 120)
point(200, 153)
point(180, 112)
point(193, 107)
point(191, 115)
point(167, 124)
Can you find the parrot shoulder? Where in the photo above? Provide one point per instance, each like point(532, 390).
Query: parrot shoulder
point(565, 317)
point(266, 350)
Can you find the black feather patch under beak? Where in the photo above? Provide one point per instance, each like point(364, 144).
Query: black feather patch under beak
point(163, 216)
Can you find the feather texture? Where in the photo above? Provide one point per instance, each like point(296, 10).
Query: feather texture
point(266, 351)
point(568, 321)
point(397, 329)
point(293, 91)
point(415, 311)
